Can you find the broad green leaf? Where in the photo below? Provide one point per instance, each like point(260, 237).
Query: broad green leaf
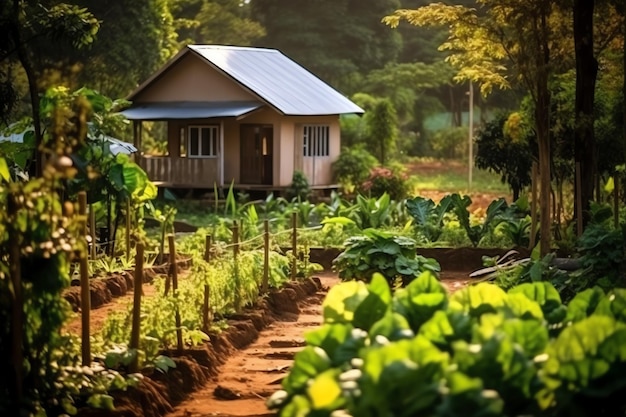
point(523, 307)
point(324, 391)
point(546, 296)
point(4, 170)
point(308, 363)
point(342, 301)
point(375, 305)
point(579, 355)
point(478, 299)
point(588, 302)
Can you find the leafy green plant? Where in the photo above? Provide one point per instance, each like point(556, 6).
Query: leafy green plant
point(395, 257)
point(479, 352)
point(476, 232)
point(353, 167)
point(428, 216)
point(299, 188)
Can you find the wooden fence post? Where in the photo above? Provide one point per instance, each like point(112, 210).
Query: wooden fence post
point(294, 244)
point(85, 293)
point(235, 239)
point(266, 256)
point(206, 316)
point(137, 289)
point(174, 269)
point(127, 229)
point(92, 230)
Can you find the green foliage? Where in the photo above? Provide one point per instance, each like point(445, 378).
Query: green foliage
point(376, 251)
point(478, 352)
point(450, 143)
point(39, 236)
point(299, 188)
point(476, 232)
point(385, 180)
point(353, 167)
point(382, 123)
point(428, 216)
point(503, 147)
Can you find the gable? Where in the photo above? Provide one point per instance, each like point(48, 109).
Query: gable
point(190, 79)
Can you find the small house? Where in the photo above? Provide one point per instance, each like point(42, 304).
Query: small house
point(242, 115)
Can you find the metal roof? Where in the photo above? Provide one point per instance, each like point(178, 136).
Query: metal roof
point(190, 110)
point(269, 75)
point(278, 80)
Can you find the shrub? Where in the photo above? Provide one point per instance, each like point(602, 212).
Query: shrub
point(382, 179)
point(299, 188)
point(353, 167)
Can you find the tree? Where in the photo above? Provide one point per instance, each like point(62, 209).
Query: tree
point(24, 24)
point(382, 122)
point(503, 42)
point(503, 148)
point(222, 21)
point(335, 39)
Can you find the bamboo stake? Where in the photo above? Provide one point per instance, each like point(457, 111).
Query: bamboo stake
point(137, 290)
point(533, 206)
point(616, 200)
point(206, 316)
point(179, 331)
point(17, 309)
point(127, 229)
point(85, 293)
point(294, 244)
point(92, 230)
point(266, 256)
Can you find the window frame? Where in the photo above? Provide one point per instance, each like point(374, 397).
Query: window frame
point(315, 141)
point(213, 141)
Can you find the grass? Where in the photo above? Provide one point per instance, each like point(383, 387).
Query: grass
point(449, 176)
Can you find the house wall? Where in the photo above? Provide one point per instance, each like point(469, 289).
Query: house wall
point(318, 170)
point(192, 79)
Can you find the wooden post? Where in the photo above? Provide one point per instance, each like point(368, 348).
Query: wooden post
point(127, 229)
point(179, 330)
point(533, 206)
point(85, 293)
point(579, 202)
point(137, 290)
point(294, 244)
point(92, 230)
point(235, 239)
point(17, 310)
point(266, 257)
point(206, 316)
point(616, 200)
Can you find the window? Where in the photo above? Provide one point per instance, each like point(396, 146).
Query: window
point(316, 140)
point(202, 141)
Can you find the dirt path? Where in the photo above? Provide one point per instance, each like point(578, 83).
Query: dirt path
point(251, 375)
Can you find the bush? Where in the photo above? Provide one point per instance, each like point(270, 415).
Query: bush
point(353, 167)
point(299, 188)
point(382, 179)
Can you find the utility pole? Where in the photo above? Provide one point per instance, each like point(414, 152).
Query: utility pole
point(471, 135)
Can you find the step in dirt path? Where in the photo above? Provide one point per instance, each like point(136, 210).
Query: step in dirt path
point(250, 376)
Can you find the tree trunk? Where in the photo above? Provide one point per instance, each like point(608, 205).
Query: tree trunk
point(24, 59)
point(542, 120)
point(586, 74)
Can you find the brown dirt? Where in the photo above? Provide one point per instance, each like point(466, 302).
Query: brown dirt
point(480, 200)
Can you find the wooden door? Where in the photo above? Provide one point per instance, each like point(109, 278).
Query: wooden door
point(256, 154)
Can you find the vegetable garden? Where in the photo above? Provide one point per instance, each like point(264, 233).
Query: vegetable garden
point(530, 338)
